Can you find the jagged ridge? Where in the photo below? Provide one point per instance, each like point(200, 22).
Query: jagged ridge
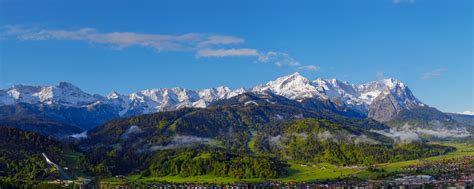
point(381, 100)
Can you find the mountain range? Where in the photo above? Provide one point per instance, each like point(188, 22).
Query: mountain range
point(363, 98)
point(384, 100)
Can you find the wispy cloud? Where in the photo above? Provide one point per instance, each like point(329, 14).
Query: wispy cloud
point(434, 73)
point(202, 44)
point(221, 40)
point(309, 68)
point(120, 40)
point(226, 52)
point(278, 58)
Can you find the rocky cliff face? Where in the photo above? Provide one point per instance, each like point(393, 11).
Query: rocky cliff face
point(393, 100)
point(384, 108)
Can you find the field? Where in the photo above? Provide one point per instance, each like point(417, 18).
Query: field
point(320, 172)
point(178, 179)
point(297, 173)
point(462, 150)
point(303, 173)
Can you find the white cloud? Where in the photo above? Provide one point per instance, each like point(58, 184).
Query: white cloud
point(277, 58)
point(444, 133)
point(399, 136)
point(204, 45)
point(221, 40)
point(131, 130)
point(80, 135)
point(115, 39)
point(180, 142)
point(226, 52)
point(363, 139)
point(309, 67)
point(434, 73)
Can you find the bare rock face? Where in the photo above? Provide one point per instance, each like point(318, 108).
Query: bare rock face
point(391, 102)
point(384, 108)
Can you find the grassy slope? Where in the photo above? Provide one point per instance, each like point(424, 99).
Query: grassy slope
point(302, 173)
point(320, 172)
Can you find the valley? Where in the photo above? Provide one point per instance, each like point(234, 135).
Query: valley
point(325, 94)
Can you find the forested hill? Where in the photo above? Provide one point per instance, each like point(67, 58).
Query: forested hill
point(317, 141)
point(245, 112)
point(20, 155)
point(245, 130)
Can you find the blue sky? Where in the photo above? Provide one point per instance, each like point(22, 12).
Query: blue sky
point(133, 45)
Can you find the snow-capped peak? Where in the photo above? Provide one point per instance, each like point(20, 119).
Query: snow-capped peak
point(293, 79)
point(165, 99)
point(392, 83)
point(293, 86)
point(63, 93)
point(342, 93)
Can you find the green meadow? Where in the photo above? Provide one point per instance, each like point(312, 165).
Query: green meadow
point(303, 172)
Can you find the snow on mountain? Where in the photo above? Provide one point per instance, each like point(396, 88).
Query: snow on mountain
point(293, 86)
point(393, 99)
point(467, 112)
point(402, 93)
point(341, 93)
point(156, 100)
point(6, 98)
point(63, 93)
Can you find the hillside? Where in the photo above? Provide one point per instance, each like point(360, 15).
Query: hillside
point(21, 155)
point(319, 141)
point(247, 126)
